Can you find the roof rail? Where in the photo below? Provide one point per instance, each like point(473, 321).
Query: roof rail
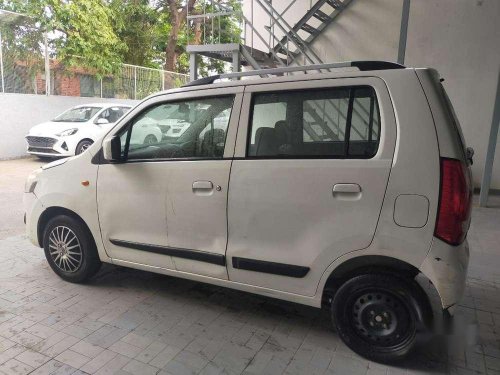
point(361, 65)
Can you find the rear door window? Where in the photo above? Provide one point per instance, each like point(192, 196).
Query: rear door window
point(322, 123)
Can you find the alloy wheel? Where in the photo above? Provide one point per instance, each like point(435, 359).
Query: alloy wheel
point(65, 249)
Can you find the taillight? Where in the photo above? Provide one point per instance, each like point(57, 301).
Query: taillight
point(455, 202)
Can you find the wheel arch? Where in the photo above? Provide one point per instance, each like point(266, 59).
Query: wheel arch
point(374, 264)
point(52, 212)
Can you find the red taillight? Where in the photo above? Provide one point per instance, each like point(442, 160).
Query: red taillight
point(455, 202)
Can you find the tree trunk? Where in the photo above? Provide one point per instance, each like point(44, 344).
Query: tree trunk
point(178, 18)
point(197, 33)
point(170, 50)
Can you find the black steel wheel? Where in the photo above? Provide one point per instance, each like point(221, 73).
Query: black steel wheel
point(378, 315)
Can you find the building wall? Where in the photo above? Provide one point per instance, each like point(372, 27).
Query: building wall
point(460, 38)
point(19, 112)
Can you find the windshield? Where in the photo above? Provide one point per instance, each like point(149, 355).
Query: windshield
point(80, 114)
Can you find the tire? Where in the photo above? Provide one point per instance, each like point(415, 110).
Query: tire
point(150, 139)
point(70, 249)
point(82, 146)
point(378, 315)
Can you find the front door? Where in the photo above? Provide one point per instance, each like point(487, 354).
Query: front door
point(308, 179)
point(165, 205)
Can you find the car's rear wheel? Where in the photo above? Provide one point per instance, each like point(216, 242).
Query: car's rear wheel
point(70, 249)
point(82, 146)
point(377, 315)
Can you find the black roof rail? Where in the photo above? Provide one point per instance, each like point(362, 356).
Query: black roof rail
point(361, 65)
point(365, 65)
point(203, 81)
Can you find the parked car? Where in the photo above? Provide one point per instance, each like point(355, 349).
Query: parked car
point(335, 189)
point(75, 130)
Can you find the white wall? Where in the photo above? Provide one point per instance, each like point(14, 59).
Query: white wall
point(460, 38)
point(19, 112)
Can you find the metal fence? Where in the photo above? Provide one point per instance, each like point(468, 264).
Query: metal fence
point(25, 68)
point(29, 76)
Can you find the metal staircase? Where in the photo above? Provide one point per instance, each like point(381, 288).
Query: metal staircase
point(291, 47)
point(323, 11)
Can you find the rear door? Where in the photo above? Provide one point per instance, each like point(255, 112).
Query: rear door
point(311, 167)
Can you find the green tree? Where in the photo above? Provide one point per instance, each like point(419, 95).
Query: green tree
point(80, 32)
point(173, 39)
point(102, 34)
point(138, 24)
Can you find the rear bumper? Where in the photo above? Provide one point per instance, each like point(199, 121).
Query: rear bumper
point(446, 267)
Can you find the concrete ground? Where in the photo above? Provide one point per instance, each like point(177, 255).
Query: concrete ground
point(132, 322)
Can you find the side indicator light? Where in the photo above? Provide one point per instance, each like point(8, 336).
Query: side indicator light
point(85, 183)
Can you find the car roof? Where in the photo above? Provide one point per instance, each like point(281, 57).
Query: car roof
point(350, 69)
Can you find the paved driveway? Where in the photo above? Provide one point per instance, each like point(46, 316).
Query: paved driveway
point(132, 322)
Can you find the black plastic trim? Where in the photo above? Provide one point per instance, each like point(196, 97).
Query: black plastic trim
point(201, 256)
point(202, 81)
point(376, 65)
point(270, 267)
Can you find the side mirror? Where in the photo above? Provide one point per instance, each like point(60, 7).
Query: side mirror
point(112, 149)
point(102, 121)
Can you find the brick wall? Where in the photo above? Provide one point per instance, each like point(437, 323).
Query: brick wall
point(67, 85)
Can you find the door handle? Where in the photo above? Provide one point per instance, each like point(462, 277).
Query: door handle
point(203, 185)
point(346, 189)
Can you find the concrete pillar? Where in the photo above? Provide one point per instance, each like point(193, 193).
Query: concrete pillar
point(403, 32)
point(236, 61)
point(490, 153)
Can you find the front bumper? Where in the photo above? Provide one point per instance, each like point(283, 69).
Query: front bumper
point(446, 267)
point(33, 209)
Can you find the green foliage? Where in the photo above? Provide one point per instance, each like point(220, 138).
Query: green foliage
point(138, 25)
point(80, 32)
point(101, 34)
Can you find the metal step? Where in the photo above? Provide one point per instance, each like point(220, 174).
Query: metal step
point(337, 6)
point(322, 16)
point(308, 28)
point(253, 57)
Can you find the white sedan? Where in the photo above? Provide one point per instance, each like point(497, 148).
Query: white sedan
point(72, 132)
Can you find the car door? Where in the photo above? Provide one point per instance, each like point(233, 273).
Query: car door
point(165, 205)
point(311, 167)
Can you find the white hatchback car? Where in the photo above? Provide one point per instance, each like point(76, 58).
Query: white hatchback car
point(334, 189)
point(75, 130)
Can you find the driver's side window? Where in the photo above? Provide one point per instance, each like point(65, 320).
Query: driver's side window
point(179, 130)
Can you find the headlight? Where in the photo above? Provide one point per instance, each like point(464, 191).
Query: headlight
point(31, 181)
point(67, 132)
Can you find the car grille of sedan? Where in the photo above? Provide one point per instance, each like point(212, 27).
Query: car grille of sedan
point(44, 142)
point(43, 150)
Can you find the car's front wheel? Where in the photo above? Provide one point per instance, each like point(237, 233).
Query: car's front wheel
point(150, 139)
point(82, 146)
point(377, 315)
point(70, 249)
